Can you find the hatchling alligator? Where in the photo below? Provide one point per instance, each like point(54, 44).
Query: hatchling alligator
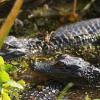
point(73, 35)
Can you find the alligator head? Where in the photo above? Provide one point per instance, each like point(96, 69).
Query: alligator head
point(68, 67)
point(14, 47)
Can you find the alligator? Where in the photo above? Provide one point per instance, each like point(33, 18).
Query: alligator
point(69, 67)
point(64, 66)
point(73, 35)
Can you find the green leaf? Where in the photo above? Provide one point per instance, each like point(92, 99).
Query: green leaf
point(1, 61)
point(14, 84)
point(21, 82)
point(0, 88)
point(4, 76)
point(9, 68)
point(5, 96)
point(96, 99)
point(64, 91)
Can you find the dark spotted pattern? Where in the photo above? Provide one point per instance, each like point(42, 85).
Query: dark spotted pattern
point(76, 34)
point(71, 35)
point(47, 92)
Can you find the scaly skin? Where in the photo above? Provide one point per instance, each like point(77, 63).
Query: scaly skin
point(68, 36)
point(68, 67)
point(64, 67)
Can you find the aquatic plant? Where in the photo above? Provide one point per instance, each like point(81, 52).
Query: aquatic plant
point(63, 92)
point(8, 87)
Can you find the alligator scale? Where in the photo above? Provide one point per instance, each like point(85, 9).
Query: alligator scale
point(73, 35)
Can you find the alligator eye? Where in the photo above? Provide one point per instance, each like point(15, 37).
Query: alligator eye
point(60, 66)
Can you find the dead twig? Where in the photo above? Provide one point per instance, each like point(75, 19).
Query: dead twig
point(10, 20)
